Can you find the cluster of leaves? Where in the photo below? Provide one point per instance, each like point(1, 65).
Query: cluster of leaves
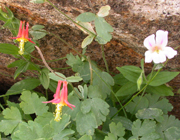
point(99, 113)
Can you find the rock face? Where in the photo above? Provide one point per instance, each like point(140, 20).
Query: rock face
point(132, 20)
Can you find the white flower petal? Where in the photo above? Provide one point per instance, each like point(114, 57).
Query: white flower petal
point(149, 41)
point(158, 57)
point(104, 11)
point(162, 38)
point(148, 57)
point(169, 52)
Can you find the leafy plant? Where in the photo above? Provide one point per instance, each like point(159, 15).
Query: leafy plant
point(130, 105)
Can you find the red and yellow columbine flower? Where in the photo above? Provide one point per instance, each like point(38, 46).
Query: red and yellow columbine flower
point(60, 99)
point(22, 36)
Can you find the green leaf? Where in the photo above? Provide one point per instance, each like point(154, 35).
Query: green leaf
point(31, 103)
point(117, 129)
point(22, 68)
point(127, 123)
point(103, 29)
point(73, 113)
point(37, 1)
point(168, 123)
point(156, 101)
point(95, 91)
point(26, 131)
point(127, 89)
point(99, 108)
point(86, 106)
point(162, 78)
point(10, 13)
point(161, 90)
point(53, 85)
point(149, 113)
point(86, 17)
point(87, 41)
point(119, 79)
point(60, 133)
point(37, 27)
point(56, 77)
point(16, 63)
point(38, 34)
point(44, 78)
point(145, 129)
point(12, 119)
point(137, 104)
point(29, 47)
point(44, 119)
point(86, 123)
point(140, 81)
point(172, 133)
point(26, 84)
point(103, 80)
point(85, 137)
point(9, 49)
point(131, 73)
point(74, 79)
point(82, 67)
point(110, 137)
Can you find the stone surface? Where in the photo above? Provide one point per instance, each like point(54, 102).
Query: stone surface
point(132, 20)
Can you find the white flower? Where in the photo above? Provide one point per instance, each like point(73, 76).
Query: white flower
point(157, 49)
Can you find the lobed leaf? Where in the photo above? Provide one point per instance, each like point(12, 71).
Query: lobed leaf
point(86, 123)
point(85, 137)
point(86, 17)
point(103, 29)
point(117, 129)
point(12, 118)
point(31, 103)
point(145, 129)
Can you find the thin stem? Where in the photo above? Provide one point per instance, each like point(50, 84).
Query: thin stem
point(66, 43)
point(46, 94)
point(70, 18)
point(138, 92)
point(90, 68)
point(104, 59)
point(45, 63)
point(47, 66)
point(2, 106)
point(61, 68)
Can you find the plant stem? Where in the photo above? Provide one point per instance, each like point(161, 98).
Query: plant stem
point(112, 92)
point(90, 68)
point(47, 66)
point(104, 59)
point(70, 18)
point(149, 81)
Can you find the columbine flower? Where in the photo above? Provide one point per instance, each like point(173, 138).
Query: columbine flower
point(22, 36)
point(157, 49)
point(60, 99)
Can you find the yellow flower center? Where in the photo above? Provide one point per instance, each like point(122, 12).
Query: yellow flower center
point(21, 47)
point(58, 112)
point(156, 49)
